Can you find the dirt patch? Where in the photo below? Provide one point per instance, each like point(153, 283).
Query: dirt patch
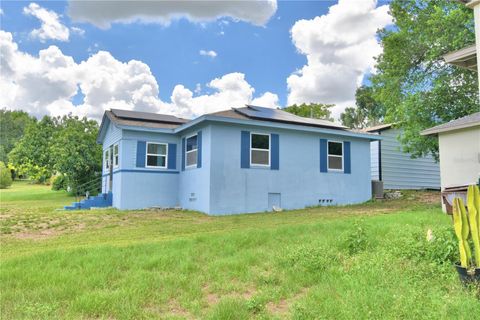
point(429, 197)
point(213, 298)
point(282, 306)
point(172, 308)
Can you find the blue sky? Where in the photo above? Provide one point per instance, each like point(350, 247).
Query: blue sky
point(265, 54)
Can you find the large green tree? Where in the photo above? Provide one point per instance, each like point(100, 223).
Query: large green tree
point(418, 89)
point(75, 150)
point(12, 127)
point(311, 110)
point(368, 112)
point(31, 155)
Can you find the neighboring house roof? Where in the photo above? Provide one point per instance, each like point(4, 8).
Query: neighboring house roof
point(461, 123)
point(378, 128)
point(463, 58)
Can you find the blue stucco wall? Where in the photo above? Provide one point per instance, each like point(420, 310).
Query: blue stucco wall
point(221, 186)
point(298, 180)
point(194, 183)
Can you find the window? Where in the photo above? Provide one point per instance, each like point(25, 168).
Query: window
point(192, 151)
point(115, 155)
point(260, 149)
point(107, 159)
point(335, 155)
point(156, 155)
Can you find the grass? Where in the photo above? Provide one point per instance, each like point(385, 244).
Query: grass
point(348, 262)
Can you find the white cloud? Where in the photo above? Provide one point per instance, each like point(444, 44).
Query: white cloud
point(231, 90)
point(51, 27)
point(47, 84)
point(208, 53)
point(104, 13)
point(340, 47)
point(78, 31)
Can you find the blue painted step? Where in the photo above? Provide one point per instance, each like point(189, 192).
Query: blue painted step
point(101, 200)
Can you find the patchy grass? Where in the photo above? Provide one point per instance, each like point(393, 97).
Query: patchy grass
point(339, 262)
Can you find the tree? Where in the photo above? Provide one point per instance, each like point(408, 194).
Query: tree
point(412, 81)
point(367, 113)
point(75, 150)
point(311, 110)
point(31, 155)
point(5, 176)
point(12, 127)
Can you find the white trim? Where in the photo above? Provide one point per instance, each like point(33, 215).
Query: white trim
point(193, 150)
point(337, 156)
point(116, 165)
point(156, 155)
point(257, 149)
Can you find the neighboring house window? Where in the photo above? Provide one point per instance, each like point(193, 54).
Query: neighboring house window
point(156, 155)
point(335, 155)
point(107, 159)
point(191, 151)
point(115, 155)
point(260, 149)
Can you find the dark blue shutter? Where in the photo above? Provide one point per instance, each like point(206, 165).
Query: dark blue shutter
point(172, 156)
point(275, 162)
point(183, 154)
point(245, 150)
point(323, 155)
point(141, 151)
point(346, 157)
point(199, 149)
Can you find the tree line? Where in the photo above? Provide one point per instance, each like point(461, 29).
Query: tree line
point(61, 150)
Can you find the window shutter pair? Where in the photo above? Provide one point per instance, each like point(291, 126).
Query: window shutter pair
point(324, 156)
point(245, 151)
point(142, 151)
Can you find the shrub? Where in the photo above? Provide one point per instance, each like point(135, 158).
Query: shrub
point(441, 249)
point(357, 240)
point(5, 176)
point(58, 182)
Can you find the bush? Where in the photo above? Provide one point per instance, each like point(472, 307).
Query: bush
point(5, 176)
point(357, 240)
point(58, 182)
point(442, 249)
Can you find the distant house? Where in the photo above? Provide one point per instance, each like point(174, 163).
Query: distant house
point(397, 169)
point(241, 160)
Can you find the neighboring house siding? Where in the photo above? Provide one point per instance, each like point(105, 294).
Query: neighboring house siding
point(460, 157)
point(298, 182)
point(374, 160)
point(400, 171)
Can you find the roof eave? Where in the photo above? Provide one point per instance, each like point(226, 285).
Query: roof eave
point(436, 131)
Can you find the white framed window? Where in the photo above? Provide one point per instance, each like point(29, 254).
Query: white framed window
point(115, 155)
point(260, 149)
point(156, 155)
point(107, 159)
point(335, 156)
point(191, 151)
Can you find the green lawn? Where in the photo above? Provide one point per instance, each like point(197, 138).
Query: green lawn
point(353, 262)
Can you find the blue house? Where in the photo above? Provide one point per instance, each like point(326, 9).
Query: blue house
point(241, 160)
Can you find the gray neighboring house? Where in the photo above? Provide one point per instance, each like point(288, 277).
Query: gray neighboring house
point(397, 169)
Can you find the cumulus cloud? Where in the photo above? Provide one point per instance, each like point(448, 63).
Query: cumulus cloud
point(104, 13)
point(48, 83)
point(51, 27)
point(340, 47)
point(208, 53)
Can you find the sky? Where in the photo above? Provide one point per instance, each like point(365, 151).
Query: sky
point(184, 58)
